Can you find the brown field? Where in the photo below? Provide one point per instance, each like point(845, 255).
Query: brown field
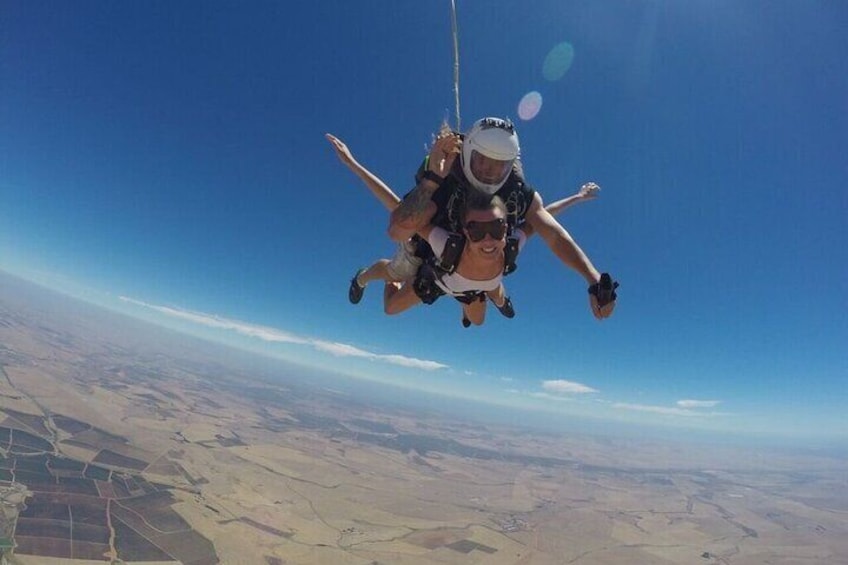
point(253, 470)
point(89, 513)
point(30, 441)
point(89, 533)
point(60, 529)
point(79, 486)
point(36, 464)
point(35, 422)
point(57, 464)
point(69, 425)
point(99, 438)
point(89, 551)
point(112, 459)
point(43, 545)
point(134, 547)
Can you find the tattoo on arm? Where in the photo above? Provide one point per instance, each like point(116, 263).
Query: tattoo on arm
point(414, 204)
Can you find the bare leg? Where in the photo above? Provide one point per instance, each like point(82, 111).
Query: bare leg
point(501, 301)
point(397, 298)
point(497, 295)
point(475, 312)
point(375, 272)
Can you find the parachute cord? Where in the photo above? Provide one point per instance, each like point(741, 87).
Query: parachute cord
point(455, 63)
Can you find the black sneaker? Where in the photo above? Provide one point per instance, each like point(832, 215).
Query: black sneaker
point(506, 308)
point(465, 322)
point(355, 292)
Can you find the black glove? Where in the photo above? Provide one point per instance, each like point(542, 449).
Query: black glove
point(604, 290)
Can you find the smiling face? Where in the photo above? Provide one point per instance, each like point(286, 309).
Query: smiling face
point(488, 228)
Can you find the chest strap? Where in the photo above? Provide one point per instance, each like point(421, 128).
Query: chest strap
point(456, 243)
point(510, 254)
point(450, 256)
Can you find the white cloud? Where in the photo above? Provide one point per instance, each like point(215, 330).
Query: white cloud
point(698, 403)
point(209, 320)
point(549, 396)
point(567, 387)
point(664, 410)
point(341, 349)
point(345, 350)
point(275, 335)
point(411, 362)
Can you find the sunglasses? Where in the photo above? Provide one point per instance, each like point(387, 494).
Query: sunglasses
point(477, 230)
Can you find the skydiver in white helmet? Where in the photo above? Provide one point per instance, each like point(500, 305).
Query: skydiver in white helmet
point(403, 267)
point(489, 163)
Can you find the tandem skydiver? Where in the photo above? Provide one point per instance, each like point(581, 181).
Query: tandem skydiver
point(432, 283)
point(489, 163)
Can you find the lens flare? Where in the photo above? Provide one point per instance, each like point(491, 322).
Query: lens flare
point(530, 105)
point(558, 61)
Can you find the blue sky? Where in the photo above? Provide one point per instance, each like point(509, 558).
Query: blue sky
point(167, 160)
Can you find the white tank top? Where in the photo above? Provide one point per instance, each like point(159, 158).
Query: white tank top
point(454, 283)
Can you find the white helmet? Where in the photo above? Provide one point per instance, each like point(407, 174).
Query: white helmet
point(488, 151)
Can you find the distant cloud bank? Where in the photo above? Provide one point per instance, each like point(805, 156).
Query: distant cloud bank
point(279, 336)
point(698, 403)
point(666, 410)
point(567, 387)
point(686, 408)
point(552, 390)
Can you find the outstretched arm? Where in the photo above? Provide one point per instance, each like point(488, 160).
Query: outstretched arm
point(377, 187)
point(587, 192)
point(567, 250)
point(417, 208)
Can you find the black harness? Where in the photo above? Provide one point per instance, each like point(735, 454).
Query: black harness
point(453, 251)
point(435, 268)
point(449, 199)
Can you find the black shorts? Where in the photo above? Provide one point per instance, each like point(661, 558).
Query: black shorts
point(425, 286)
point(471, 297)
point(428, 291)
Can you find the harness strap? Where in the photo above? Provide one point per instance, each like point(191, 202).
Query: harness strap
point(510, 255)
point(450, 256)
point(453, 251)
point(425, 286)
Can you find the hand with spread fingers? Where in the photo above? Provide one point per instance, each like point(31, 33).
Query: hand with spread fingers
point(443, 153)
point(342, 152)
point(589, 190)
